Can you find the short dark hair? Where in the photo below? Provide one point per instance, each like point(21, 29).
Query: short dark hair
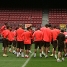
point(5, 23)
point(54, 27)
point(28, 28)
point(49, 25)
point(16, 28)
point(38, 28)
point(8, 27)
point(46, 25)
point(20, 25)
point(62, 30)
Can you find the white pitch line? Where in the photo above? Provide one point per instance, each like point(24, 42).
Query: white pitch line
point(27, 60)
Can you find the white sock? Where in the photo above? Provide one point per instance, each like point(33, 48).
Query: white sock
point(42, 52)
point(9, 49)
point(13, 51)
point(30, 51)
point(18, 54)
point(34, 54)
point(20, 50)
point(65, 54)
point(58, 59)
point(52, 53)
point(63, 58)
point(40, 55)
point(55, 56)
point(22, 54)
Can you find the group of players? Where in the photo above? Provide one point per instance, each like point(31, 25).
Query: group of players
point(20, 40)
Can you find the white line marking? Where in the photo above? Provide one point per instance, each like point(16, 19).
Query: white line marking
point(27, 60)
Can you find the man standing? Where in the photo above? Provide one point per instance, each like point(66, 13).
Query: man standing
point(4, 26)
point(20, 44)
point(60, 39)
point(47, 39)
point(5, 34)
point(65, 46)
point(54, 34)
point(27, 41)
point(38, 37)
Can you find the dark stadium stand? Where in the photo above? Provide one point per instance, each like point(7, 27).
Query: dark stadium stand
point(14, 17)
point(30, 11)
point(57, 16)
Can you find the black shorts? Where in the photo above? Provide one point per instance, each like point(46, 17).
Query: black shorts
point(10, 42)
point(46, 44)
point(61, 48)
point(38, 44)
point(5, 42)
point(55, 44)
point(27, 46)
point(14, 43)
point(31, 41)
point(20, 44)
point(52, 41)
point(42, 43)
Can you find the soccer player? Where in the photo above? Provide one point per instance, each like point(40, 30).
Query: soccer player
point(46, 39)
point(20, 44)
point(5, 40)
point(55, 34)
point(65, 46)
point(3, 28)
point(31, 39)
point(61, 41)
point(10, 38)
point(27, 41)
point(50, 27)
point(38, 37)
point(42, 48)
point(14, 41)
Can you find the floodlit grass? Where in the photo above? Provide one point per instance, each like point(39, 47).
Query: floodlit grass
point(13, 61)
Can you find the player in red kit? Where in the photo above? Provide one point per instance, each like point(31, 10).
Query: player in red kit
point(27, 41)
point(20, 44)
point(5, 34)
point(55, 34)
point(65, 46)
point(38, 37)
point(46, 39)
point(61, 42)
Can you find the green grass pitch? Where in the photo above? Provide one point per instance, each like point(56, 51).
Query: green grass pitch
point(13, 61)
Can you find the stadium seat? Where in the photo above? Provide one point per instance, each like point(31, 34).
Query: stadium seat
point(57, 16)
point(20, 16)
